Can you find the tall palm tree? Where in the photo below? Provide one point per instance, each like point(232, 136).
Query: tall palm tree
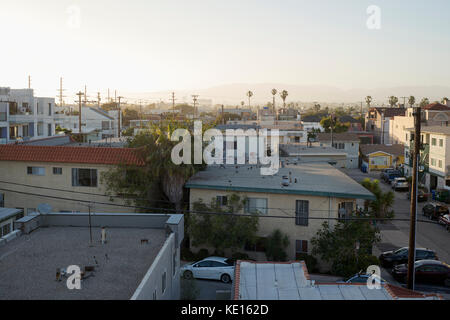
point(242, 103)
point(283, 95)
point(368, 101)
point(249, 95)
point(274, 92)
point(393, 101)
point(411, 101)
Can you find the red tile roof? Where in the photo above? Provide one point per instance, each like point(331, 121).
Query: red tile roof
point(436, 106)
point(66, 154)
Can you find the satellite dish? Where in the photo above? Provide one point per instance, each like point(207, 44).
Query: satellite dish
point(44, 208)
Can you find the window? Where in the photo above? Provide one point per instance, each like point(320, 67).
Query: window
point(440, 164)
point(84, 177)
point(345, 210)
point(40, 129)
point(163, 284)
point(301, 212)
point(57, 170)
point(256, 205)
point(221, 200)
point(447, 183)
point(3, 112)
point(218, 264)
point(433, 162)
point(203, 264)
point(2, 200)
point(433, 141)
point(105, 125)
point(258, 246)
point(49, 129)
point(30, 211)
point(301, 246)
point(6, 229)
point(49, 109)
point(441, 142)
point(37, 171)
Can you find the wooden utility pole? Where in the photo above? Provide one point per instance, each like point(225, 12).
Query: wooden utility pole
point(412, 223)
point(173, 102)
point(331, 128)
point(61, 91)
point(29, 82)
point(119, 116)
point(85, 95)
point(79, 94)
point(99, 99)
point(223, 119)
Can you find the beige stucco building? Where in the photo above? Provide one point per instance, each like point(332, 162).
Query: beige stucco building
point(297, 200)
point(66, 178)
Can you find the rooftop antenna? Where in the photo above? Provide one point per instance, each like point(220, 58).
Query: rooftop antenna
point(61, 90)
point(195, 99)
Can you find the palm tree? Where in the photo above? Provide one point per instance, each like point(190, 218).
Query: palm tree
point(393, 101)
point(283, 95)
point(380, 208)
point(242, 103)
point(274, 92)
point(249, 95)
point(368, 101)
point(411, 101)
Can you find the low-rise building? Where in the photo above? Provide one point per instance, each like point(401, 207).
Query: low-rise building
point(291, 281)
point(119, 256)
point(346, 142)
point(7, 218)
point(66, 177)
point(378, 120)
point(298, 204)
point(24, 116)
point(312, 122)
point(305, 154)
point(381, 156)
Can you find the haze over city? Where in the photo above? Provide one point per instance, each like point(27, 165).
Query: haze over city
point(322, 50)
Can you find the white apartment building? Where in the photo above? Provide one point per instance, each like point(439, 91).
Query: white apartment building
point(24, 116)
point(96, 123)
point(434, 156)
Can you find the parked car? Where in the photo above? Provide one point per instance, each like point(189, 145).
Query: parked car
point(445, 221)
point(434, 211)
point(400, 256)
point(400, 183)
point(214, 268)
point(421, 196)
point(391, 175)
point(360, 278)
point(426, 271)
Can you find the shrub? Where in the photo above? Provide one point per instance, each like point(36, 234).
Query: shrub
point(276, 244)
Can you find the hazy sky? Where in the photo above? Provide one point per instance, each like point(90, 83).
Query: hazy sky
point(149, 45)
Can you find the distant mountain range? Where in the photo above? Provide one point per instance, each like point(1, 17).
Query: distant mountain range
point(235, 93)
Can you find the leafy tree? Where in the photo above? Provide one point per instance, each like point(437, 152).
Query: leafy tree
point(368, 101)
point(393, 101)
point(338, 127)
point(184, 108)
point(224, 230)
point(159, 177)
point(424, 102)
point(338, 246)
point(110, 106)
point(65, 130)
point(276, 245)
point(129, 114)
point(381, 207)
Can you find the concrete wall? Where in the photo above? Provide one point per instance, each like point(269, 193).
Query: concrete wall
point(16, 172)
point(166, 265)
point(284, 206)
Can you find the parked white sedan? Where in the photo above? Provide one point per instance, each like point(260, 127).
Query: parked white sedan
point(215, 268)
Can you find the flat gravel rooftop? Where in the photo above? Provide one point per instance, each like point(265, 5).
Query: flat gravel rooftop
point(28, 264)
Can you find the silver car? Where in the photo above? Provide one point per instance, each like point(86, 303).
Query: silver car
point(214, 268)
point(400, 184)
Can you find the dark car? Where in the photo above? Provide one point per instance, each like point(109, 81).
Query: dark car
point(426, 271)
point(400, 256)
point(434, 211)
point(389, 176)
point(422, 196)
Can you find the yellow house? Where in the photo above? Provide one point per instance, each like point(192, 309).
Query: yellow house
point(296, 200)
point(380, 156)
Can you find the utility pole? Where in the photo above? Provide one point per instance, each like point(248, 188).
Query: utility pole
point(404, 101)
point(85, 95)
point(61, 91)
point(109, 99)
point(140, 114)
point(98, 99)
point(413, 220)
point(331, 127)
point(79, 94)
point(29, 82)
point(223, 119)
point(173, 102)
point(119, 116)
point(195, 98)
